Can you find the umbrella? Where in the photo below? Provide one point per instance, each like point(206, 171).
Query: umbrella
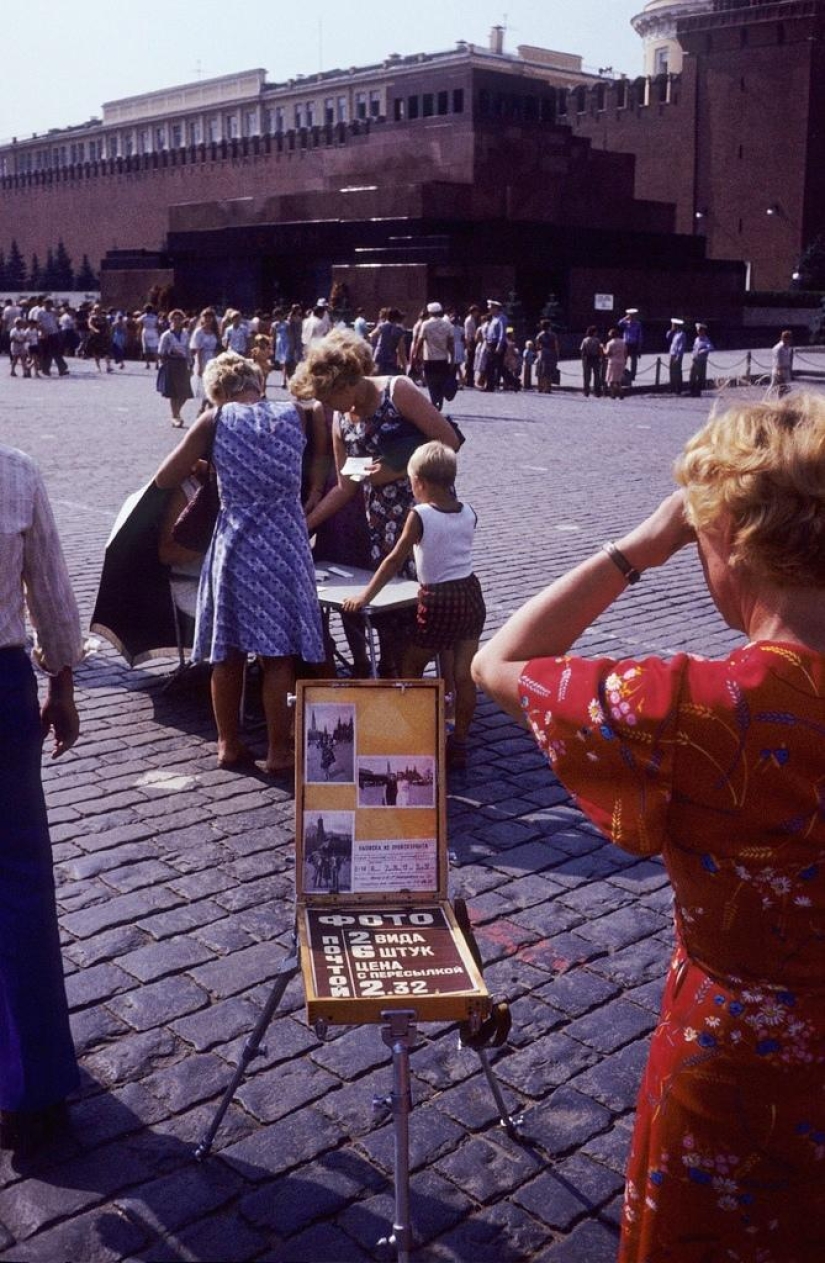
point(133, 609)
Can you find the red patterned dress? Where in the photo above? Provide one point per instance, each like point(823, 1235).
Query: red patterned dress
point(720, 767)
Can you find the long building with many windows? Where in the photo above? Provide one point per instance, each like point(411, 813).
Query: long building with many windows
point(463, 172)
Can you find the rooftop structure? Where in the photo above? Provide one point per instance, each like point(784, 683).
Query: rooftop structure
point(245, 105)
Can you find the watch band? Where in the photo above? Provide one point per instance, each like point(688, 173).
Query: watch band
point(619, 560)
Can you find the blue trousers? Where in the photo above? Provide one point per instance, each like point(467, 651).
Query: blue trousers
point(37, 1060)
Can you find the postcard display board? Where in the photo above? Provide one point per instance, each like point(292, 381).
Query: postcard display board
point(376, 929)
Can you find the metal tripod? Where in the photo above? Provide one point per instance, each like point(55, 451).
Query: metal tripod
point(399, 1034)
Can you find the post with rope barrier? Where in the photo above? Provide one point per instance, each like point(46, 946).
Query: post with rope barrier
point(658, 371)
point(747, 366)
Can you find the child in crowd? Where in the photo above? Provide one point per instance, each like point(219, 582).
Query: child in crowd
point(261, 354)
point(19, 347)
point(528, 359)
point(511, 368)
point(439, 531)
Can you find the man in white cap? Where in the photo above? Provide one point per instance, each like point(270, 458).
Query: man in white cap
point(677, 345)
point(317, 324)
point(496, 339)
point(631, 327)
point(435, 344)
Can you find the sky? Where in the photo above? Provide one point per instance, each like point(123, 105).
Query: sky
point(62, 60)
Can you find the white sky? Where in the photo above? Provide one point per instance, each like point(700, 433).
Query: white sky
point(63, 58)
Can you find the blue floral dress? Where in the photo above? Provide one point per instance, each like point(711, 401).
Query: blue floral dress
point(257, 588)
point(720, 768)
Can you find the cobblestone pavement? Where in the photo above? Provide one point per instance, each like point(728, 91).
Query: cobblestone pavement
point(175, 897)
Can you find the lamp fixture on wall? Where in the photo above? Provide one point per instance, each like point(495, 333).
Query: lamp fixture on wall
point(701, 213)
point(773, 209)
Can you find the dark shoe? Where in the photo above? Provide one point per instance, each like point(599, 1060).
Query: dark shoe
point(26, 1131)
point(456, 753)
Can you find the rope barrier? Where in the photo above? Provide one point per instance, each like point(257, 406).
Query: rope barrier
point(818, 362)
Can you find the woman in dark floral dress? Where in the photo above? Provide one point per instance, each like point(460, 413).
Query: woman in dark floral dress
point(377, 418)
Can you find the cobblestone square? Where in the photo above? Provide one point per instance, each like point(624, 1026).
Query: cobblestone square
point(175, 892)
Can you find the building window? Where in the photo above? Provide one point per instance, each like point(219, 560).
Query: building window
point(251, 123)
point(660, 60)
point(412, 107)
point(160, 138)
point(398, 109)
point(581, 100)
point(375, 104)
point(342, 112)
point(231, 129)
point(427, 105)
point(280, 120)
point(360, 105)
point(177, 135)
point(561, 103)
point(458, 100)
point(129, 147)
point(329, 110)
point(601, 96)
point(299, 117)
point(195, 132)
point(214, 131)
point(442, 102)
point(621, 94)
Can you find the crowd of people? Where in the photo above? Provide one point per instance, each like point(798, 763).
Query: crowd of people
point(443, 350)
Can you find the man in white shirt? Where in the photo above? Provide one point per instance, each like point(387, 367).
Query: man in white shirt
point(782, 363)
point(38, 1068)
point(317, 324)
point(8, 316)
point(435, 344)
point(470, 331)
point(50, 348)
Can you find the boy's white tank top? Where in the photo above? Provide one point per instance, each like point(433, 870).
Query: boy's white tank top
point(445, 550)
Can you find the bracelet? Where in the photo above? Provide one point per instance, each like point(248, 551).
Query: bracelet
point(619, 560)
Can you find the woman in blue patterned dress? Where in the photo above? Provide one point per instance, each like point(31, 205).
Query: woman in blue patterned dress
point(372, 416)
point(257, 588)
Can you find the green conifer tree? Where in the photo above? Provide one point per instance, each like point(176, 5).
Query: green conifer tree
point(64, 274)
point(15, 268)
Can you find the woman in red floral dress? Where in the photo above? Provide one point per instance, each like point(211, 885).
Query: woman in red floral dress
point(719, 766)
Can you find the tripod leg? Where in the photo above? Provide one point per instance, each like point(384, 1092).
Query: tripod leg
point(286, 973)
point(399, 1034)
point(510, 1122)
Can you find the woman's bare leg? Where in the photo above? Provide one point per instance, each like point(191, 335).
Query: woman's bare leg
point(278, 681)
point(227, 686)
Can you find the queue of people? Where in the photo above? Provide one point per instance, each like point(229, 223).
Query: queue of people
point(442, 350)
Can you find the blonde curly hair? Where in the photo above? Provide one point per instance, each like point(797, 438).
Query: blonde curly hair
point(762, 466)
point(342, 358)
point(229, 375)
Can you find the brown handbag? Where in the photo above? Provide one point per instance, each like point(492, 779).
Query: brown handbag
point(195, 524)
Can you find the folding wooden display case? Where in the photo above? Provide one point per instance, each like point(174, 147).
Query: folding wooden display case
point(375, 926)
